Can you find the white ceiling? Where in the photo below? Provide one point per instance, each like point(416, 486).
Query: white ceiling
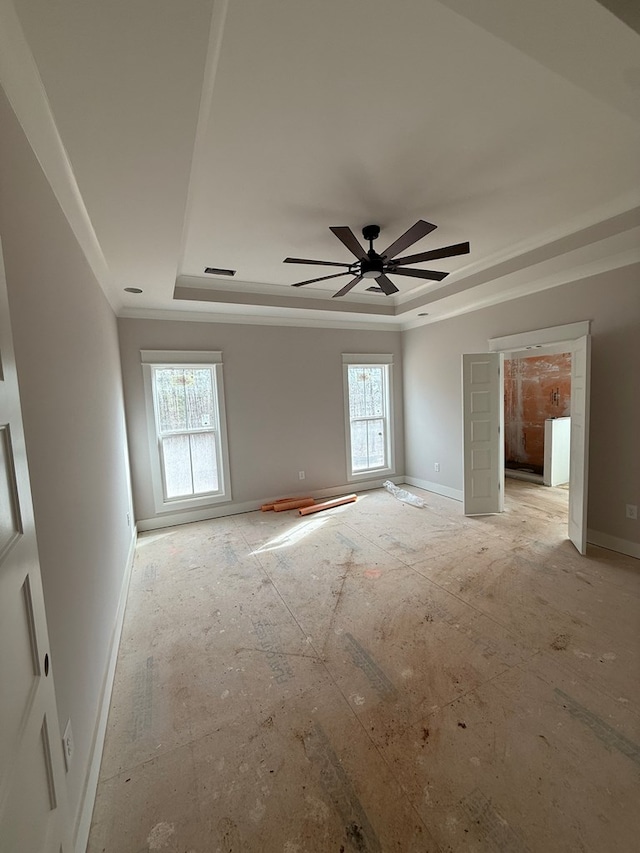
point(233, 133)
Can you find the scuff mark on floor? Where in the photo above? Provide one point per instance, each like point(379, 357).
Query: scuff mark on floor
point(560, 642)
point(160, 835)
point(347, 569)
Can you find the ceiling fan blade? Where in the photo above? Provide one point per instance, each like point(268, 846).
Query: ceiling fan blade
point(435, 254)
point(415, 233)
point(348, 287)
point(318, 263)
point(349, 239)
point(387, 285)
point(322, 278)
point(430, 274)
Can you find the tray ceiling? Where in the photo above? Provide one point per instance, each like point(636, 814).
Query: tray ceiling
point(233, 134)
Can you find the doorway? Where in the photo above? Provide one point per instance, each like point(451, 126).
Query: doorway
point(576, 339)
point(537, 415)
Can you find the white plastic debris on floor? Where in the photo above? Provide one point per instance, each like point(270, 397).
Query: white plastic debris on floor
point(404, 495)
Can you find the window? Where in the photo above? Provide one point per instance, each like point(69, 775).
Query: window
point(185, 408)
point(367, 381)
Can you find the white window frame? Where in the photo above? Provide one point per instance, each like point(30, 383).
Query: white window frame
point(157, 359)
point(384, 360)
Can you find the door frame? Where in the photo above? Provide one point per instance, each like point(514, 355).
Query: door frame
point(545, 339)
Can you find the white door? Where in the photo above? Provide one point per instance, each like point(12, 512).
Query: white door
point(579, 452)
point(33, 800)
point(483, 430)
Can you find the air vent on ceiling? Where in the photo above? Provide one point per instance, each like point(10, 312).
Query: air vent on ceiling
point(217, 271)
point(375, 289)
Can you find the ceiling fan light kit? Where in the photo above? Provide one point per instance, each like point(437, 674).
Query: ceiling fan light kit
point(371, 265)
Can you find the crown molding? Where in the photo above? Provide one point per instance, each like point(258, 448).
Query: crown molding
point(20, 79)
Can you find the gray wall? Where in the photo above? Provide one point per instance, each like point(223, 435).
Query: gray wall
point(433, 395)
point(66, 344)
point(284, 401)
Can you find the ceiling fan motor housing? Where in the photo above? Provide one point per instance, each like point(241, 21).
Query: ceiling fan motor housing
point(371, 267)
point(371, 232)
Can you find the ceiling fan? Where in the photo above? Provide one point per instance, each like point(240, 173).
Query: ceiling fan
point(371, 265)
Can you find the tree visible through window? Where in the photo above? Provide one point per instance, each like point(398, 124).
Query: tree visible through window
point(366, 412)
point(368, 400)
point(187, 427)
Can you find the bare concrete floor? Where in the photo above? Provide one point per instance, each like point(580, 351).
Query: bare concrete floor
point(376, 678)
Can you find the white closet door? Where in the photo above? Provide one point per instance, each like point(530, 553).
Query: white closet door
point(483, 452)
point(579, 452)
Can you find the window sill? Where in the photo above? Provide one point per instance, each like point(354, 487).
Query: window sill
point(370, 474)
point(191, 503)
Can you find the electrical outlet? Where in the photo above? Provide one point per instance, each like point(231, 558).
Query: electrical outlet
point(436, 467)
point(632, 512)
point(67, 745)
point(301, 475)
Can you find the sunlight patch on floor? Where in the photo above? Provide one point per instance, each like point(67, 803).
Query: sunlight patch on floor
point(292, 536)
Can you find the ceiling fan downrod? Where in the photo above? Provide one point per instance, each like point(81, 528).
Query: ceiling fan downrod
point(374, 267)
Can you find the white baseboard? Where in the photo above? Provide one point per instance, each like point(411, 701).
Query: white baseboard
point(83, 823)
point(220, 511)
point(613, 543)
point(445, 491)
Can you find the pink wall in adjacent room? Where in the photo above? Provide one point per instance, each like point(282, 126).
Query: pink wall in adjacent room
point(535, 388)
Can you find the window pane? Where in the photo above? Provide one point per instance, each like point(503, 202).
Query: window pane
point(170, 394)
point(177, 466)
point(185, 398)
point(375, 443)
point(367, 444)
point(199, 398)
point(359, 455)
point(204, 462)
point(190, 464)
point(366, 392)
